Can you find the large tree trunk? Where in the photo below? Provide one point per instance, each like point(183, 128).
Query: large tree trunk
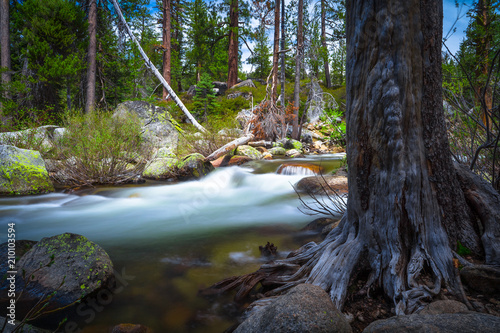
point(5, 40)
point(274, 83)
point(482, 41)
point(282, 55)
point(91, 57)
point(167, 45)
point(328, 80)
point(232, 75)
point(406, 206)
point(298, 61)
point(177, 47)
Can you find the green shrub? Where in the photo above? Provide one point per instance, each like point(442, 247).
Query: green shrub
point(100, 149)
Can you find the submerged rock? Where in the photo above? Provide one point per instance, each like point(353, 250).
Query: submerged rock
point(22, 172)
point(131, 328)
point(471, 322)
point(305, 308)
point(299, 169)
point(318, 185)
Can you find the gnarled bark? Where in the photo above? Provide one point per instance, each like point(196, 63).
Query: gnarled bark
point(405, 208)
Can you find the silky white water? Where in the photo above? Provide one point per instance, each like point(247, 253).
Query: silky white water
point(173, 239)
point(232, 197)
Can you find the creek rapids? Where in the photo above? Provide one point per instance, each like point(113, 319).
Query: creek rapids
point(171, 239)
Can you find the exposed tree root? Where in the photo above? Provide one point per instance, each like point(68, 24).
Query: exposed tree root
point(402, 270)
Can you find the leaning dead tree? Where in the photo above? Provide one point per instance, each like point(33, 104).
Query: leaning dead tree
point(407, 206)
point(155, 71)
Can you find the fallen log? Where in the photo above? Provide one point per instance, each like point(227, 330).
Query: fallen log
point(157, 73)
point(230, 146)
point(261, 143)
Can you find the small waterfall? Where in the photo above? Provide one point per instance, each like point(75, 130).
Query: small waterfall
point(299, 169)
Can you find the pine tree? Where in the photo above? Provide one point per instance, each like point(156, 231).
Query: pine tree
point(204, 100)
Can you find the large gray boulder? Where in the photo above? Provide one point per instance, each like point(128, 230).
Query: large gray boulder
point(68, 265)
point(483, 279)
point(158, 126)
point(471, 322)
point(22, 172)
point(305, 308)
point(43, 137)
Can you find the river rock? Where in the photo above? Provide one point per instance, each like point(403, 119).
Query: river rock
point(131, 328)
point(471, 322)
point(158, 126)
point(294, 144)
point(318, 185)
point(22, 172)
point(443, 306)
point(294, 153)
point(161, 168)
point(193, 166)
point(484, 279)
point(305, 308)
point(68, 264)
point(277, 151)
point(248, 151)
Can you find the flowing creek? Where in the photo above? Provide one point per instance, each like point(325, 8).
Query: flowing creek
point(171, 239)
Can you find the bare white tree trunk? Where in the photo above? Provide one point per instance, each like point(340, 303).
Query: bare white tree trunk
point(157, 73)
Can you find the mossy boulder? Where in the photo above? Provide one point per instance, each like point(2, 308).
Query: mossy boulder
point(193, 166)
point(22, 172)
point(161, 168)
point(248, 151)
point(294, 144)
point(69, 266)
point(277, 151)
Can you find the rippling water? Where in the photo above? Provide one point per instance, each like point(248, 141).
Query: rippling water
point(172, 238)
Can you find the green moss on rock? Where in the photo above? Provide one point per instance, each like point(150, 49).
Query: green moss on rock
point(22, 172)
point(248, 151)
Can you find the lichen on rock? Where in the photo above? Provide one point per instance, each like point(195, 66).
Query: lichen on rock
point(22, 172)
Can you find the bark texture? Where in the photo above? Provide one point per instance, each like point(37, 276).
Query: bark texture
point(393, 211)
point(407, 203)
point(328, 79)
point(167, 45)
point(274, 83)
point(91, 57)
point(5, 40)
point(232, 75)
